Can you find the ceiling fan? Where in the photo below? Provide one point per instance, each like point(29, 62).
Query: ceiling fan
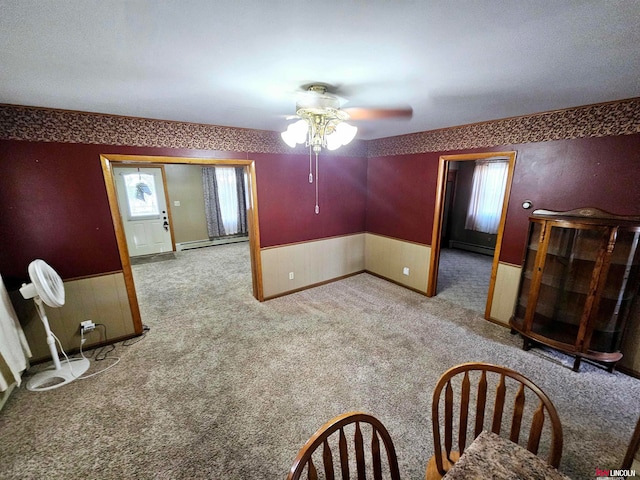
point(322, 120)
point(322, 123)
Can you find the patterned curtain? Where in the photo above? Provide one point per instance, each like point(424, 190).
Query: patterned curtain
point(215, 227)
point(242, 200)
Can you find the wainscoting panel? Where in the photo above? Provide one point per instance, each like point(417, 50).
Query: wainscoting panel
point(505, 293)
point(102, 299)
point(311, 263)
point(387, 257)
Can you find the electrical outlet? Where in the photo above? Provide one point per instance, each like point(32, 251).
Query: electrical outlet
point(405, 271)
point(87, 326)
point(290, 275)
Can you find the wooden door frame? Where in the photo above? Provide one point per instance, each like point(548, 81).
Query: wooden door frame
point(166, 196)
point(434, 260)
point(109, 161)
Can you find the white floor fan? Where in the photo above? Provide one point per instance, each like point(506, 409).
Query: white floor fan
point(46, 286)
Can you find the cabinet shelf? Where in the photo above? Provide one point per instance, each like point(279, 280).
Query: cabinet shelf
point(581, 272)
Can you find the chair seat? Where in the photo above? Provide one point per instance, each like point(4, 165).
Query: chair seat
point(432, 470)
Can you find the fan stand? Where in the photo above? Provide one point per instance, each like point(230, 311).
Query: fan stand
point(59, 374)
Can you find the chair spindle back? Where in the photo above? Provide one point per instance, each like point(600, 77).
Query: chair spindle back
point(541, 407)
point(305, 460)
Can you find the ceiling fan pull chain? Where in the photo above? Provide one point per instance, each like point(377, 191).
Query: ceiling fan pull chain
point(310, 174)
point(317, 206)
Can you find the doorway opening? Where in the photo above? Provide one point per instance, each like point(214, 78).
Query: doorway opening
point(442, 236)
point(111, 162)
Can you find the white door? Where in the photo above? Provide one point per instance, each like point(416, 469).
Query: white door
point(143, 208)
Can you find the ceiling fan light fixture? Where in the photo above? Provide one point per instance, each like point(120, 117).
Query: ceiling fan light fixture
point(319, 131)
point(321, 122)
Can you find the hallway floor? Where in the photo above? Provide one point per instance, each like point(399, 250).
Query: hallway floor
point(463, 278)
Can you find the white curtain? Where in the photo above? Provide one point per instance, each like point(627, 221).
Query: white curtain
point(487, 196)
point(228, 196)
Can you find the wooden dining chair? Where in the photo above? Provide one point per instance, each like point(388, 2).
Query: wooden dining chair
point(363, 460)
point(513, 394)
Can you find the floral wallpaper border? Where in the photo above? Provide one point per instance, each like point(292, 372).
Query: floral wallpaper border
point(36, 124)
point(51, 125)
point(599, 120)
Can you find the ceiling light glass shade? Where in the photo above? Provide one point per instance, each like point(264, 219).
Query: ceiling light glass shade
point(342, 135)
point(300, 129)
point(295, 133)
point(333, 141)
point(288, 138)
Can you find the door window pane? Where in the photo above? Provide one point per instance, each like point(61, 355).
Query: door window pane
point(142, 201)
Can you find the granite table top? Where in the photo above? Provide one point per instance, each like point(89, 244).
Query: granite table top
point(491, 456)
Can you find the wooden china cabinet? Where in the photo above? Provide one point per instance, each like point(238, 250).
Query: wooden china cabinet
point(580, 275)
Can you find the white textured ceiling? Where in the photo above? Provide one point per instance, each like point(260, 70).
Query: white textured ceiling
point(239, 63)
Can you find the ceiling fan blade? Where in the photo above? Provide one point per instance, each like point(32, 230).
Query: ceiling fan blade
point(358, 113)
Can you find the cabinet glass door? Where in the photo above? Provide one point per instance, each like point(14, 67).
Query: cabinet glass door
point(527, 273)
point(566, 278)
point(620, 287)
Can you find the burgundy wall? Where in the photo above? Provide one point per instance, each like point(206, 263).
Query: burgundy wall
point(567, 174)
point(560, 175)
point(53, 203)
point(286, 199)
point(54, 206)
point(401, 196)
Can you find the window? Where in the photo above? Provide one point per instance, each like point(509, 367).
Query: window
point(142, 201)
point(225, 201)
point(487, 195)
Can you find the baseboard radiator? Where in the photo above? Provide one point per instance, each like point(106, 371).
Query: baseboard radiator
point(472, 247)
point(208, 243)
